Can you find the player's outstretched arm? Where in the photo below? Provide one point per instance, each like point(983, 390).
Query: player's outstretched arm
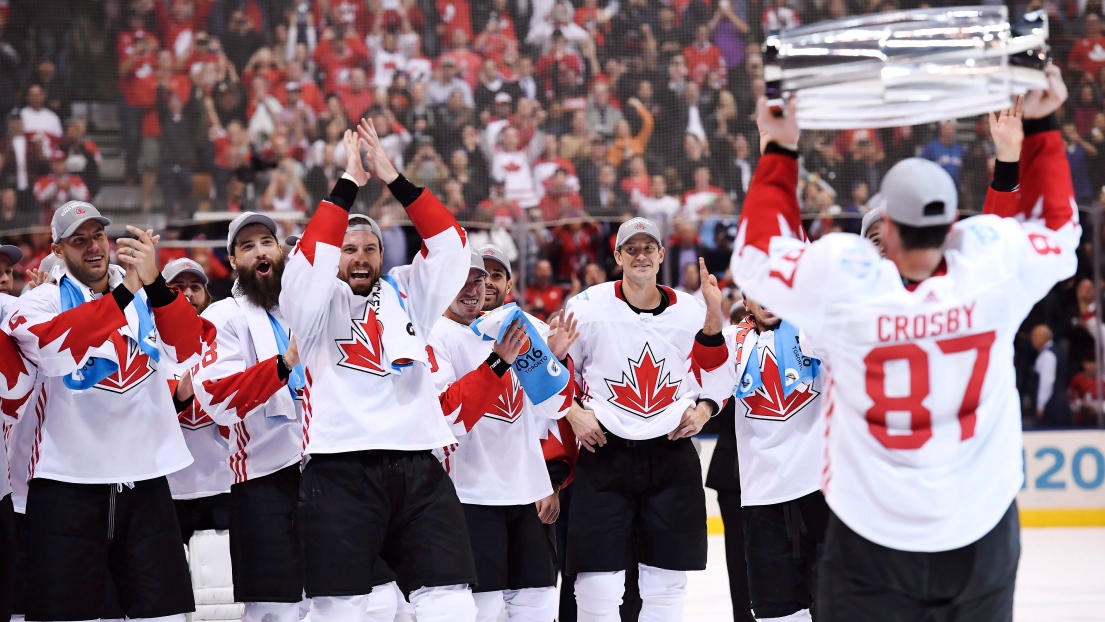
point(1007, 131)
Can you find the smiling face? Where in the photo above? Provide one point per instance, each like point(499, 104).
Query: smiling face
point(466, 307)
point(85, 254)
point(259, 262)
point(640, 258)
point(361, 262)
point(496, 286)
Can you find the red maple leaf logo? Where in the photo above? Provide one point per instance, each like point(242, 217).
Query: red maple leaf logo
point(194, 417)
point(364, 349)
point(768, 402)
point(512, 167)
point(11, 362)
point(508, 405)
point(134, 366)
point(646, 390)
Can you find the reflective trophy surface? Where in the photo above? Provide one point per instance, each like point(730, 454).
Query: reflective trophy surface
point(906, 67)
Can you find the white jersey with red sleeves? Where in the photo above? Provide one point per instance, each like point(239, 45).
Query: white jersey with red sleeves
point(239, 389)
point(633, 370)
point(779, 437)
point(923, 449)
point(499, 460)
point(355, 399)
point(209, 473)
point(17, 378)
point(124, 429)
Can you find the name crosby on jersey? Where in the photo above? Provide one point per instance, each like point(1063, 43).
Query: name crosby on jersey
point(934, 324)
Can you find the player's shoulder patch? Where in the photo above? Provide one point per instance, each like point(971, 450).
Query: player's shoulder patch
point(856, 256)
point(983, 230)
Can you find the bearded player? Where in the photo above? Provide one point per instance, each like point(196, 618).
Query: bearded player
point(923, 458)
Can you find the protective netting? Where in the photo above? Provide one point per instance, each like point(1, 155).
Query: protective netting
point(541, 124)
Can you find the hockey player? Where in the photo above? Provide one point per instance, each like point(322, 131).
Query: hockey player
point(372, 412)
point(250, 381)
point(16, 381)
point(106, 433)
point(923, 458)
point(779, 434)
point(201, 492)
point(639, 406)
point(498, 467)
point(10, 256)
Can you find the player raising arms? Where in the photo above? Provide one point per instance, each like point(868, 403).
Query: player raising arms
point(923, 456)
point(372, 414)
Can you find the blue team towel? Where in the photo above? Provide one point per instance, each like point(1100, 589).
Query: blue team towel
point(96, 369)
point(296, 379)
point(540, 375)
point(794, 367)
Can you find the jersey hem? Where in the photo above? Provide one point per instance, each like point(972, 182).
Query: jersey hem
point(773, 501)
point(373, 446)
point(114, 480)
point(190, 496)
point(501, 503)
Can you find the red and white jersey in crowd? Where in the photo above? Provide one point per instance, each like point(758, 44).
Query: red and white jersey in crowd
point(123, 429)
point(50, 193)
point(633, 369)
point(354, 399)
point(209, 473)
point(513, 167)
point(238, 386)
point(17, 378)
point(924, 432)
point(499, 460)
point(42, 122)
point(779, 438)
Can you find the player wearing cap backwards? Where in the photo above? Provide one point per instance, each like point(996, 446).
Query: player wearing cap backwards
point(499, 466)
point(104, 339)
point(639, 405)
point(250, 381)
point(201, 492)
point(923, 456)
point(372, 411)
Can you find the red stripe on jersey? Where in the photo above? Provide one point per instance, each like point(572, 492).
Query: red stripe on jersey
point(181, 329)
point(238, 458)
point(430, 218)
point(40, 422)
point(246, 389)
point(1046, 181)
point(327, 226)
point(307, 409)
point(826, 470)
point(81, 328)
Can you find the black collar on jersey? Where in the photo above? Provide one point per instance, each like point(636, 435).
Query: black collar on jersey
point(666, 299)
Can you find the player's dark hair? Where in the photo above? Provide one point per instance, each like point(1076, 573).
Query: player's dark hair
point(921, 238)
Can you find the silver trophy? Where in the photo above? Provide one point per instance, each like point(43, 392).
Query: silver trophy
point(906, 67)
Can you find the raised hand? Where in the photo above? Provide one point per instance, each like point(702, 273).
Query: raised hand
point(353, 165)
point(36, 277)
point(1039, 104)
point(711, 294)
point(139, 256)
point(1007, 130)
point(779, 129)
point(563, 335)
point(378, 160)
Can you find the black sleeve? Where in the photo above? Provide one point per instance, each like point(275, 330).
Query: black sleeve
point(181, 405)
point(405, 191)
point(1035, 126)
point(711, 341)
point(158, 293)
point(497, 364)
point(1006, 176)
point(344, 193)
point(558, 472)
point(282, 371)
point(774, 147)
point(122, 297)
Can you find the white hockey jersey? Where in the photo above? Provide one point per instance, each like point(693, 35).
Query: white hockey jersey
point(633, 369)
point(209, 473)
point(355, 399)
point(123, 429)
point(499, 460)
point(16, 381)
point(779, 438)
point(923, 421)
point(238, 386)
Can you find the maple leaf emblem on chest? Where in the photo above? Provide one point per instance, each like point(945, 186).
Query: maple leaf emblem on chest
point(509, 403)
point(364, 349)
point(134, 366)
point(769, 402)
point(646, 389)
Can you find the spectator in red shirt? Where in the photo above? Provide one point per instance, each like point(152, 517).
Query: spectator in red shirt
point(498, 206)
point(54, 190)
point(357, 97)
point(1088, 53)
point(339, 52)
point(578, 243)
point(703, 56)
point(135, 51)
point(309, 93)
point(1085, 402)
point(497, 36)
point(560, 199)
point(467, 62)
point(544, 297)
point(638, 178)
point(560, 70)
point(231, 151)
point(453, 14)
point(700, 200)
point(84, 155)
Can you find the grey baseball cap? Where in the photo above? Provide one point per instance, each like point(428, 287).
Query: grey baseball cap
point(477, 262)
point(919, 193)
point(875, 214)
point(360, 222)
point(245, 219)
point(176, 267)
point(50, 262)
point(637, 225)
point(72, 215)
point(13, 253)
point(494, 253)
point(292, 240)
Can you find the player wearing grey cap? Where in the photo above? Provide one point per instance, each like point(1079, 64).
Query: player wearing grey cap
point(10, 256)
point(638, 404)
point(104, 339)
point(923, 446)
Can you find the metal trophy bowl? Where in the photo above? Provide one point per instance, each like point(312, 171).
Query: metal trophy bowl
point(906, 67)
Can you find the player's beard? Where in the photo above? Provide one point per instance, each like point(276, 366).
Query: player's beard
point(262, 291)
point(493, 299)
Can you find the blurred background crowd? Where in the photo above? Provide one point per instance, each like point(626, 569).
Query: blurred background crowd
point(542, 124)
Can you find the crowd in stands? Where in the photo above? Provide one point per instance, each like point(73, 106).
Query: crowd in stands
point(540, 127)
